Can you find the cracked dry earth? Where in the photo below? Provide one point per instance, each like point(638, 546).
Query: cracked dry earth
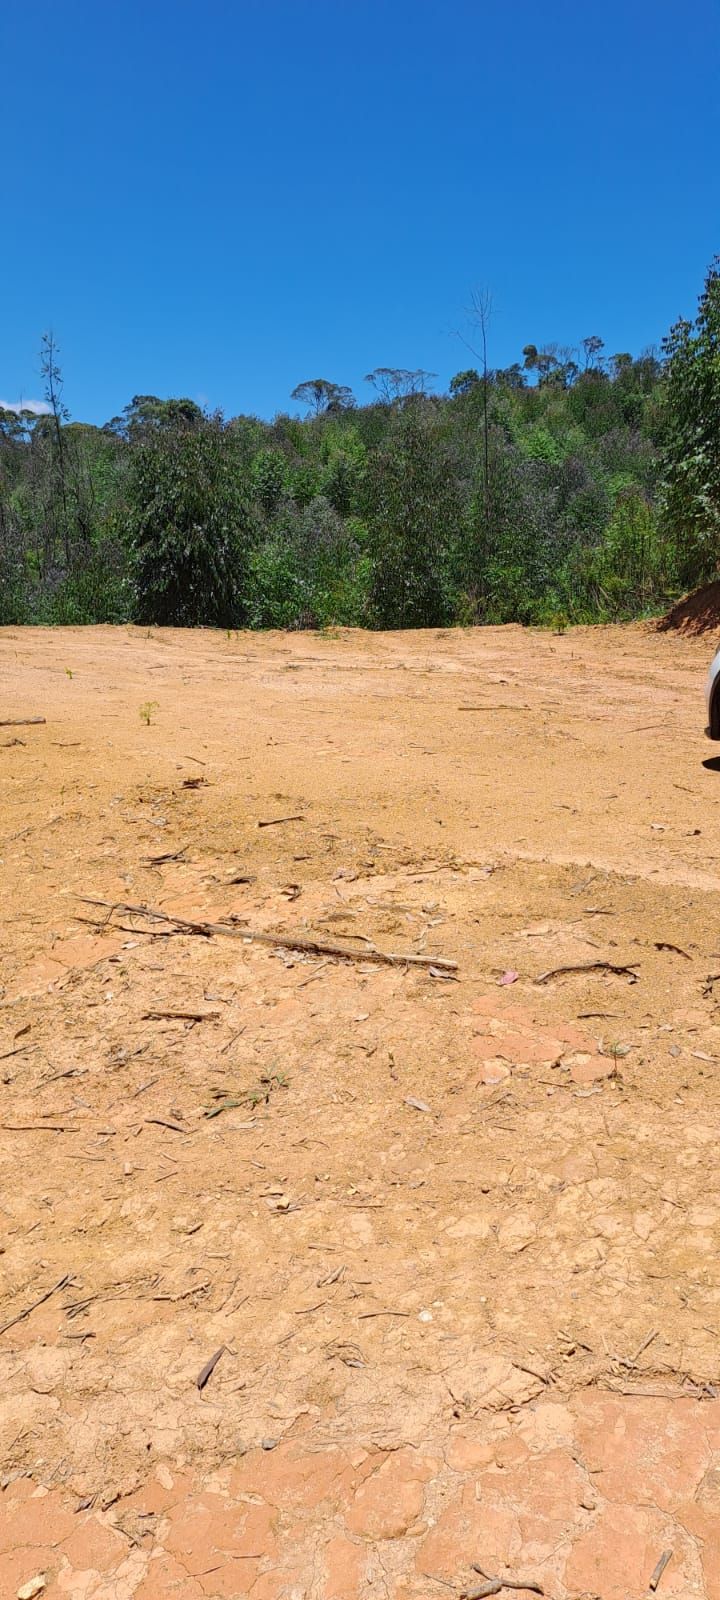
point(455, 1236)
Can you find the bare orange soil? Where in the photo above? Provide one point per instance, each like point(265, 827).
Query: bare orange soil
point(454, 1233)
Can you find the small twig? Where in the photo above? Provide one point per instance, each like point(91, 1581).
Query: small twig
point(170, 855)
point(659, 1570)
point(21, 722)
point(331, 1277)
point(277, 822)
point(648, 1340)
point(313, 975)
point(180, 1016)
point(160, 1122)
point(143, 1086)
point(34, 1127)
point(185, 1294)
point(62, 1283)
point(507, 1583)
point(363, 1315)
point(234, 1039)
point(589, 966)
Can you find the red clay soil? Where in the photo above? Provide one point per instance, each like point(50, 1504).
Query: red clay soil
point(695, 614)
point(454, 1231)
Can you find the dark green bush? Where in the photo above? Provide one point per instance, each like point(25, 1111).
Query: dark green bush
point(188, 529)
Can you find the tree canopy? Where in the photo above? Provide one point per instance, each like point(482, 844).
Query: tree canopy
point(569, 485)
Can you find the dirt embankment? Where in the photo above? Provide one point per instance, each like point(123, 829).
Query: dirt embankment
point(695, 614)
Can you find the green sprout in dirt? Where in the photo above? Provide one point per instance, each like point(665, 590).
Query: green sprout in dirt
point(614, 1049)
point(253, 1097)
point(268, 1082)
point(147, 711)
point(69, 673)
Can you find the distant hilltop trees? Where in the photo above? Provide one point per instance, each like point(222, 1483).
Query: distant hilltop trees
point(572, 485)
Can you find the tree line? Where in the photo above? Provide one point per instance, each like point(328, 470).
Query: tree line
point(573, 485)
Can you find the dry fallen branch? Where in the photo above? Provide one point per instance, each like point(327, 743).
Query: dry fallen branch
point(21, 722)
point(62, 1283)
point(35, 1127)
point(277, 822)
point(277, 941)
point(180, 1016)
point(590, 966)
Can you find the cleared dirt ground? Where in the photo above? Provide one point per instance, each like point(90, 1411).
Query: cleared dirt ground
point(456, 1235)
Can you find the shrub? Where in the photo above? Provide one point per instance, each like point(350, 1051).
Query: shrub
point(188, 529)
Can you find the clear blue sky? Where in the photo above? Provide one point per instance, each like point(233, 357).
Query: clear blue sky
point(221, 198)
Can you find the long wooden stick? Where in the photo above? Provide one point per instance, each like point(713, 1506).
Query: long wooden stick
point(278, 941)
point(21, 722)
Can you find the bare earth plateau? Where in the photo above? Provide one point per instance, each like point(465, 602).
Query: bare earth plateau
point(453, 1230)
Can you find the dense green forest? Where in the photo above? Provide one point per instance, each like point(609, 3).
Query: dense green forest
point(571, 486)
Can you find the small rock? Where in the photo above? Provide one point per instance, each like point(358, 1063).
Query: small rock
point(493, 1072)
point(269, 1444)
point(33, 1587)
